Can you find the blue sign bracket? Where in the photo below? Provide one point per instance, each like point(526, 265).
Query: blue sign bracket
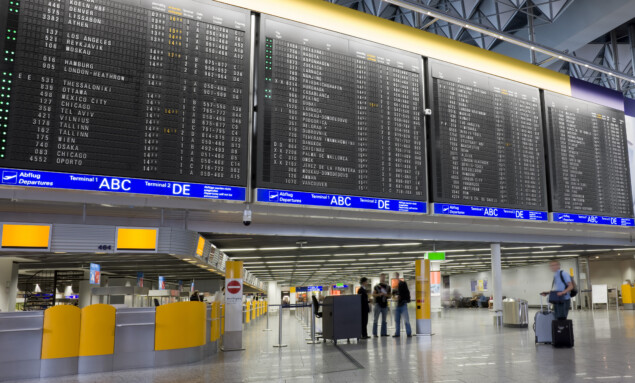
point(593, 219)
point(85, 182)
point(341, 201)
point(489, 212)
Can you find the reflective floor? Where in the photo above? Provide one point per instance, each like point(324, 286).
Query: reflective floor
point(465, 348)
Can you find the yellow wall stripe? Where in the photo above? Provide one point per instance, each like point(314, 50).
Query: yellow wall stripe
point(322, 14)
point(180, 325)
point(97, 332)
point(60, 338)
point(136, 239)
point(26, 236)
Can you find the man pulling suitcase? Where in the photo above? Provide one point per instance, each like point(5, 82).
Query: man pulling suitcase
point(562, 289)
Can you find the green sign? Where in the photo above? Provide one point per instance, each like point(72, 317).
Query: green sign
point(436, 256)
point(339, 285)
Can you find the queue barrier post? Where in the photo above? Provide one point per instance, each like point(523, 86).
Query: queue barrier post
point(267, 315)
point(280, 345)
point(312, 339)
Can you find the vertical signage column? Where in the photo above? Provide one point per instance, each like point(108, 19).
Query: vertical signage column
point(422, 273)
point(233, 338)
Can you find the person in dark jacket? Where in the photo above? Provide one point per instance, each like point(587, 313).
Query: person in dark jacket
point(403, 294)
point(363, 291)
point(381, 293)
point(196, 297)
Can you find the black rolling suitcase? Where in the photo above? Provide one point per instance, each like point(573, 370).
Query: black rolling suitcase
point(562, 333)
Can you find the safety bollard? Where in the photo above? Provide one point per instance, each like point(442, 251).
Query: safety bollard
point(280, 330)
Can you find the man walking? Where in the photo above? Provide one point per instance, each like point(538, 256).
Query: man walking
point(381, 293)
point(403, 298)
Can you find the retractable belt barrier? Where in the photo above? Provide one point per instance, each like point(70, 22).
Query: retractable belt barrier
point(305, 315)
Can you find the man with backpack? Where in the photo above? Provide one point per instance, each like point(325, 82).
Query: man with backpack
point(562, 286)
point(403, 298)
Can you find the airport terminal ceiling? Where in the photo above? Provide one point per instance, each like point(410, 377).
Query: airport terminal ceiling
point(305, 260)
point(384, 134)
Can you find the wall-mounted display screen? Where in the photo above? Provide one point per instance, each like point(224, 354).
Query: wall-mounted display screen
point(339, 115)
point(487, 145)
point(131, 88)
point(588, 157)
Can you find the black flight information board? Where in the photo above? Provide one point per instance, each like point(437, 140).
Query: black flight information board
point(588, 157)
point(132, 88)
point(339, 115)
point(487, 145)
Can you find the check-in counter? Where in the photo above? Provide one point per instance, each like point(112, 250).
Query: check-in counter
point(65, 340)
point(134, 338)
point(60, 341)
point(96, 339)
point(180, 333)
point(20, 344)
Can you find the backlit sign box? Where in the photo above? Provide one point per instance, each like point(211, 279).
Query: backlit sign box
point(340, 201)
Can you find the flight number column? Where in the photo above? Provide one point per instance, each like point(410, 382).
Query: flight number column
point(36, 82)
point(363, 105)
point(154, 83)
point(282, 94)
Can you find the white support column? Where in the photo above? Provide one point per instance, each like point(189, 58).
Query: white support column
point(8, 284)
point(497, 284)
point(273, 293)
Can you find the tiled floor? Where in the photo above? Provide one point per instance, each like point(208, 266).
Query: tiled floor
point(465, 348)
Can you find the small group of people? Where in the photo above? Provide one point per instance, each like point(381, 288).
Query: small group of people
point(381, 295)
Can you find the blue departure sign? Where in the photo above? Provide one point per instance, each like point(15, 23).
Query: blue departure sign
point(489, 212)
point(53, 180)
point(336, 200)
point(593, 219)
point(305, 289)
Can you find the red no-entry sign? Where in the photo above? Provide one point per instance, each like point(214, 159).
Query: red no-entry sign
point(233, 287)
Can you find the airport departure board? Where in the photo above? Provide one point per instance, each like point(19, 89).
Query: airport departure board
point(487, 144)
point(339, 115)
point(588, 157)
point(132, 88)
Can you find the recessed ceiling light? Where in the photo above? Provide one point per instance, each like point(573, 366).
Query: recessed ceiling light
point(403, 244)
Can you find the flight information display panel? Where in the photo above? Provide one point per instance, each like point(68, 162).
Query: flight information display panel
point(588, 157)
point(339, 115)
point(131, 88)
point(487, 145)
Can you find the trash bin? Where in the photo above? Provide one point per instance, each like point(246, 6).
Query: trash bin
point(515, 312)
